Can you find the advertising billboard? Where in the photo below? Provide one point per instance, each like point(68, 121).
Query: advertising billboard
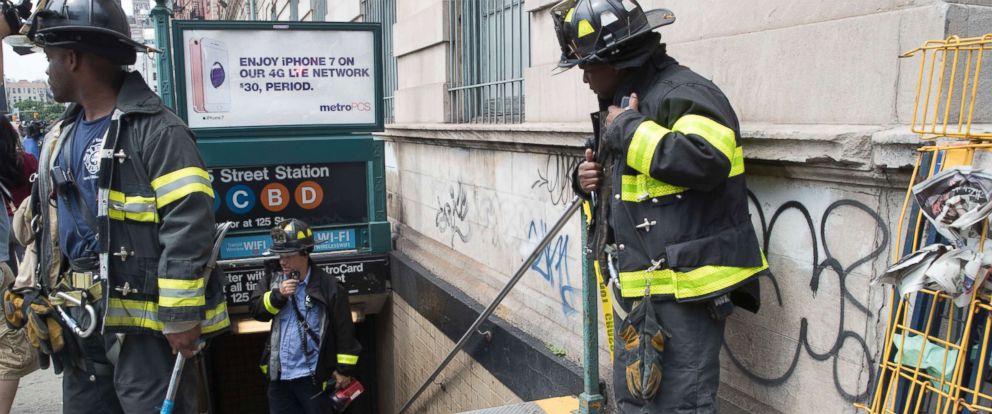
point(237, 79)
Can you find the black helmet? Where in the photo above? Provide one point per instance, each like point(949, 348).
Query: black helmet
point(94, 26)
point(292, 236)
point(593, 31)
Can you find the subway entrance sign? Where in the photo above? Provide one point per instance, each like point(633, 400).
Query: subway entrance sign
point(319, 194)
point(283, 113)
point(362, 276)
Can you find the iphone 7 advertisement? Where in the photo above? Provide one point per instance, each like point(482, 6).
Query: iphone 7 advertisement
point(245, 78)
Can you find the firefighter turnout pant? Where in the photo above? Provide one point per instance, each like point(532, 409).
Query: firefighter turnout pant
point(130, 373)
point(142, 375)
point(136, 383)
point(88, 377)
point(667, 357)
point(299, 396)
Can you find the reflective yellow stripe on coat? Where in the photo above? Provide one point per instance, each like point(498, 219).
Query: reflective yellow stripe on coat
point(716, 134)
point(347, 359)
point(144, 314)
point(644, 143)
point(266, 299)
point(181, 183)
point(136, 208)
point(175, 293)
point(695, 283)
point(641, 186)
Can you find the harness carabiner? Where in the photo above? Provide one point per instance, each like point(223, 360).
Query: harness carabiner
point(73, 325)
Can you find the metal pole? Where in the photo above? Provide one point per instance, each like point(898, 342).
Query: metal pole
point(521, 271)
point(162, 14)
point(252, 9)
point(590, 401)
point(170, 393)
point(3, 88)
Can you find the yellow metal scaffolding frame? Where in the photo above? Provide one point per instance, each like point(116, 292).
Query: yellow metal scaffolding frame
point(943, 113)
point(949, 91)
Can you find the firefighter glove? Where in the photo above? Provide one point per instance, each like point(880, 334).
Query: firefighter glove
point(643, 339)
point(13, 309)
point(43, 329)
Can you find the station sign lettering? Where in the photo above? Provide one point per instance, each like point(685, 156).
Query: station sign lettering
point(319, 194)
point(363, 276)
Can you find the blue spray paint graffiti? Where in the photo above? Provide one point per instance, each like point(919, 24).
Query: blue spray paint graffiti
point(552, 265)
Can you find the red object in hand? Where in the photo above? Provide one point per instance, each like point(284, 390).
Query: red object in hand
point(343, 397)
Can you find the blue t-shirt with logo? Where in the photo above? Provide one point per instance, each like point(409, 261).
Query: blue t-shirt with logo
point(81, 156)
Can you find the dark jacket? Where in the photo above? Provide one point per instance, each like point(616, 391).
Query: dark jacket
point(338, 348)
point(29, 166)
point(155, 217)
point(677, 206)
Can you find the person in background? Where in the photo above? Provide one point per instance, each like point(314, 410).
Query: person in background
point(32, 138)
point(16, 169)
point(17, 359)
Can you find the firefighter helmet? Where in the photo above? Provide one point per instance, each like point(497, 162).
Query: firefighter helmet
point(94, 26)
point(594, 31)
point(292, 236)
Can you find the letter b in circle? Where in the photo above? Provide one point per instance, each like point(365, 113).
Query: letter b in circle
point(275, 197)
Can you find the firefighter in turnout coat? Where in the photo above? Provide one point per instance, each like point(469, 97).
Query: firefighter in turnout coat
point(312, 349)
point(670, 223)
point(135, 219)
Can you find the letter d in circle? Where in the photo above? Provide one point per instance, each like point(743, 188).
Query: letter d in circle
point(309, 195)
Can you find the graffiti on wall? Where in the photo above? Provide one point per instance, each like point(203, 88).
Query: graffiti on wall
point(555, 177)
point(452, 214)
point(827, 266)
point(489, 218)
point(552, 264)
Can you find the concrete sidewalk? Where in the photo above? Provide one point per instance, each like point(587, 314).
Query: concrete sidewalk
point(39, 393)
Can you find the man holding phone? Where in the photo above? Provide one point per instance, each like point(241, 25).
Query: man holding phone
point(312, 349)
point(671, 222)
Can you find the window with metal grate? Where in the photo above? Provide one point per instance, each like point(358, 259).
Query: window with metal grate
point(384, 11)
point(488, 51)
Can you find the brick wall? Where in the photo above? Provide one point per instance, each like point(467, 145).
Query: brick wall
point(411, 349)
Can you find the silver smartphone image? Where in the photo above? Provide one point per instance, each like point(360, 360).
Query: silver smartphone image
point(216, 76)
